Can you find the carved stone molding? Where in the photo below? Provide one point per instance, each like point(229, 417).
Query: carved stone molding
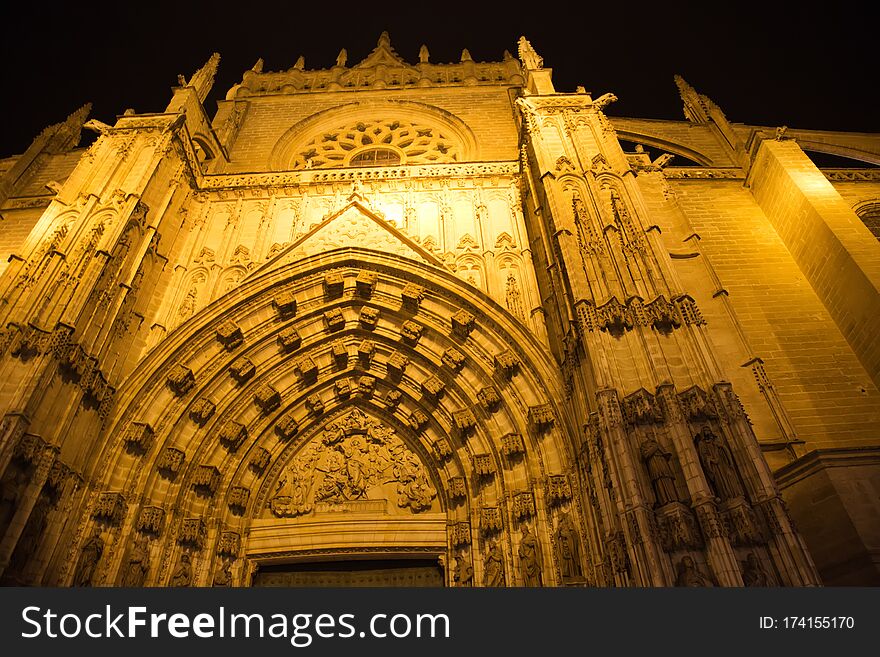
point(170, 462)
point(289, 339)
point(285, 303)
point(202, 410)
point(541, 417)
point(138, 437)
point(267, 398)
point(230, 336)
point(232, 435)
point(206, 479)
point(151, 520)
point(110, 507)
point(193, 533)
point(512, 444)
point(463, 323)
point(181, 380)
point(242, 370)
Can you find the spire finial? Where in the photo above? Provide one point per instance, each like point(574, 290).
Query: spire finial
point(424, 54)
point(300, 63)
point(384, 39)
point(342, 57)
point(527, 55)
point(695, 105)
point(203, 79)
point(466, 56)
point(258, 67)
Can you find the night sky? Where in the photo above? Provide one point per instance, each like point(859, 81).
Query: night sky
point(805, 69)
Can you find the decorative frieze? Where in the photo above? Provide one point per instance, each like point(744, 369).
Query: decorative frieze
point(541, 417)
point(242, 370)
point(333, 284)
point(463, 323)
point(260, 459)
point(202, 410)
point(483, 465)
point(523, 505)
point(285, 303)
point(489, 398)
point(151, 520)
point(442, 450)
point(289, 339)
point(170, 462)
point(193, 533)
point(287, 426)
point(464, 421)
point(334, 319)
point(110, 508)
point(558, 489)
point(411, 331)
point(397, 362)
point(267, 398)
point(507, 363)
point(181, 380)
point(412, 296)
point(238, 499)
point(369, 317)
point(229, 544)
point(230, 335)
point(232, 435)
point(138, 437)
point(490, 519)
point(365, 283)
point(206, 479)
point(512, 444)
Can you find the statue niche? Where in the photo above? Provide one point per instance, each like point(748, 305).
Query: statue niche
point(354, 458)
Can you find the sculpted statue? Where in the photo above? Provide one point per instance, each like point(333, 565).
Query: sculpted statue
point(754, 573)
point(423, 55)
point(718, 465)
point(183, 575)
point(138, 564)
point(604, 101)
point(530, 558)
point(89, 556)
point(659, 471)
point(223, 576)
point(342, 57)
point(464, 571)
point(690, 575)
point(494, 564)
point(568, 545)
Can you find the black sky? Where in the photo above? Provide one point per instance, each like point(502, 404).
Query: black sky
point(763, 65)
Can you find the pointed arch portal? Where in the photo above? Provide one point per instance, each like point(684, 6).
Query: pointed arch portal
point(357, 404)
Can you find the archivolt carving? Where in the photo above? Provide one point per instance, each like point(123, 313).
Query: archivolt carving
point(355, 458)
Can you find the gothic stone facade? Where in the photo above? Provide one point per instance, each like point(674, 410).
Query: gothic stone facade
point(437, 312)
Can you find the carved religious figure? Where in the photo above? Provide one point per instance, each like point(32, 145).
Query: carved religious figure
point(135, 573)
point(183, 575)
point(659, 471)
point(494, 565)
point(568, 545)
point(223, 576)
point(530, 558)
point(514, 297)
point(689, 574)
point(189, 303)
point(89, 556)
point(718, 465)
point(342, 57)
point(753, 573)
point(464, 571)
point(354, 458)
point(528, 56)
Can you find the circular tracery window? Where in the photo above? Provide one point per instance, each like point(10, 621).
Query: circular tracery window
point(378, 142)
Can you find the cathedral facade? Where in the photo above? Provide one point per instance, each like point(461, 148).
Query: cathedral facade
point(437, 324)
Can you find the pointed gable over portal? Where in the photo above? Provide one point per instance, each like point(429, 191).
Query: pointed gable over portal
point(354, 225)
